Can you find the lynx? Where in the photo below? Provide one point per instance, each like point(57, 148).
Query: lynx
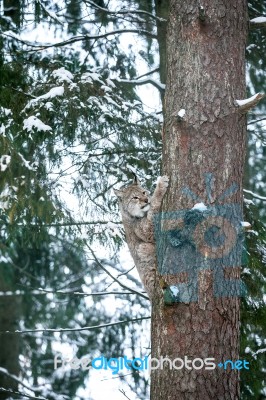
point(137, 209)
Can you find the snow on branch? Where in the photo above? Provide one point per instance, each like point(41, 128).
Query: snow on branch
point(181, 114)
point(245, 105)
point(27, 163)
point(54, 92)
point(255, 195)
point(255, 353)
point(259, 22)
point(34, 122)
point(160, 86)
point(4, 162)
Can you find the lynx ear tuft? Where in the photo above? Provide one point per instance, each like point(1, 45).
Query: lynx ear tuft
point(135, 180)
point(118, 193)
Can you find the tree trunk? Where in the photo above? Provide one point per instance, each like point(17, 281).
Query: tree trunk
point(203, 153)
point(162, 11)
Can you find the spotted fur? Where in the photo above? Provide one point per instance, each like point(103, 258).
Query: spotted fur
point(137, 209)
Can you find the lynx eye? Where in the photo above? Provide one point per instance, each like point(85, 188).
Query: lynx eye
point(135, 197)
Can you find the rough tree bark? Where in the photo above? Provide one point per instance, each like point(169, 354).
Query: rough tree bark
point(205, 75)
point(162, 11)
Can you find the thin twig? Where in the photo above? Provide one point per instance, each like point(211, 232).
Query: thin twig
point(160, 86)
point(255, 121)
point(125, 12)
point(39, 292)
point(123, 392)
point(86, 328)
point(40, 46)
point(126, 272)
point(114, 278)
point(15, 378)
point(16, 393)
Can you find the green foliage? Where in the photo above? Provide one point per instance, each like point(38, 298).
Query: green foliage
point(70, 131)
point(68, 126)
point(253, 311)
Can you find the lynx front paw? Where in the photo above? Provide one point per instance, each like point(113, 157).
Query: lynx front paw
point(163, 183)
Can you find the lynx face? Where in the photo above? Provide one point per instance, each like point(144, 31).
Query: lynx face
point(135, 200)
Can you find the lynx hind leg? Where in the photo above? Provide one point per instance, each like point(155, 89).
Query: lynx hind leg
point(147, 267)
point(147, 273)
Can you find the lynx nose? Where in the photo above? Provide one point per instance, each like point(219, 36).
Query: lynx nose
point(146, 200)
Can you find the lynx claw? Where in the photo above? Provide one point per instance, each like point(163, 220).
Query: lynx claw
point(163, 182)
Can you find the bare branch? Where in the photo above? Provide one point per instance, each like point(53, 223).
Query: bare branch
point(113, 277)
point(125, 12)
point(67, 223)
point(126, 272)
point(22, 395)
point(39, 292)
point(256, 121)
point(50, 13)
point(160, 86)
point(149, 73)
point(15, 378)
point(40, 46)
point(123, 392)
point(86, 328)
point(19, 91)
point(116, 377)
